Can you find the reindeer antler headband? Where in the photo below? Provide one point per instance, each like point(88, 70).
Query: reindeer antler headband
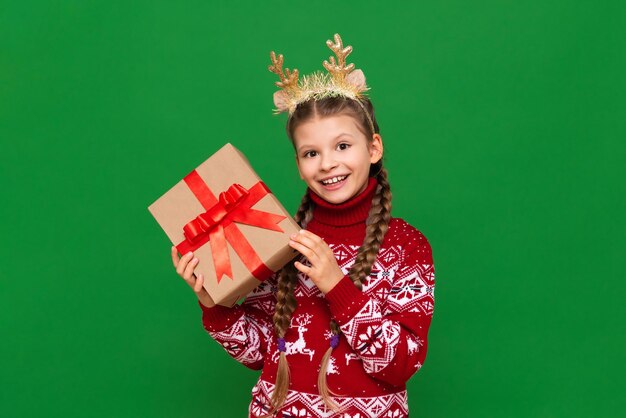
point(340, 80)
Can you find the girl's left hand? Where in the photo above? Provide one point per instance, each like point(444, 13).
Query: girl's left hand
point(324, 270)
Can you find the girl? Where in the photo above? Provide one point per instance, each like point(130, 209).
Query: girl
point(340, 330)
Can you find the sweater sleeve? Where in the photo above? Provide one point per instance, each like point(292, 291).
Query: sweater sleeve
point(390, 337)
point(243, 330)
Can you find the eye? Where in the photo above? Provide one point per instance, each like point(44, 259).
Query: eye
point(343, 146)
point(308, 154)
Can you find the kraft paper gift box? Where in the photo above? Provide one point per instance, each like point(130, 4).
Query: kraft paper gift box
point(227, 216)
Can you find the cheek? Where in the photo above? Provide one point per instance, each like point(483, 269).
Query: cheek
point(306, 169)
point(359, 162)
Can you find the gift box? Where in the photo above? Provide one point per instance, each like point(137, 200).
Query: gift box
point(229, 218)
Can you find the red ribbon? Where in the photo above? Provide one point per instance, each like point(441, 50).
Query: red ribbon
point(217, 225)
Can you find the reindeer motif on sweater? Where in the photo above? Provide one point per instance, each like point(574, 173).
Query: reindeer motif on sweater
point(299, 346)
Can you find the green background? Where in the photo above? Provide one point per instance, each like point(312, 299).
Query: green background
point(503, 124)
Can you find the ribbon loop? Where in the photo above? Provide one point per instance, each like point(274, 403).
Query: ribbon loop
point(205, 221)
point(195, 228)
point(233, 195)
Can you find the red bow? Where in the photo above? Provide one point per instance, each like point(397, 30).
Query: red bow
point(212, 217)
point(217, 225)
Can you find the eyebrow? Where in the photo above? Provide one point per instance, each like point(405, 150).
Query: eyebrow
point(334, 139)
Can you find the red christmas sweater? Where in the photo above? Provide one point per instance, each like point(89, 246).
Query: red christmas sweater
point(384, 326)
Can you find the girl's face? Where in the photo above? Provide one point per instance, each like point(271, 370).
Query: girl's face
point(334, 157)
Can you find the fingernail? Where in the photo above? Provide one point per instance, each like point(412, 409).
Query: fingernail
point(195, 260)
point(189, 254)
point(301, 231)
point(292, 236)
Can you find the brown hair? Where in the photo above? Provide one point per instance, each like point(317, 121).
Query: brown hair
point(376, 227)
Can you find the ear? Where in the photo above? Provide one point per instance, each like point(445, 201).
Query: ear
point(376, 149)
point(298, 166)
point(357, 79)
point(281, 100)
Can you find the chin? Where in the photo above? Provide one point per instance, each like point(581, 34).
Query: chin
point(335, 198)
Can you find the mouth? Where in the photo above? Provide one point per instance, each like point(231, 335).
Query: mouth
point(334, 182)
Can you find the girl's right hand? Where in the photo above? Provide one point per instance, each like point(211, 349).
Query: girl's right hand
point(185, 266)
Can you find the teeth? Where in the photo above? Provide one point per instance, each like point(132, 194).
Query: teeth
point(334, 180)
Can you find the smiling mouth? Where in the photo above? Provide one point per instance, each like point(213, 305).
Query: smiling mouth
point(334, 180)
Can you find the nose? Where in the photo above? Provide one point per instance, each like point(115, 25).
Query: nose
point(328, 162)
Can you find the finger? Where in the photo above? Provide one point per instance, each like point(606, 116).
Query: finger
point(199, 283)
point(311, 236)
point(315, 242)
point(175, 256)
point(304, 269)
point(306, 241)
point(307, 232)
point(190, 268)
point(182, 263)
point(305, 251)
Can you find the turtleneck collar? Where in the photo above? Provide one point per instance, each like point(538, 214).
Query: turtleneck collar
point(353, 211)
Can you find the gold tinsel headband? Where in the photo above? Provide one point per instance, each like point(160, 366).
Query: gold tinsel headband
point(340, 80)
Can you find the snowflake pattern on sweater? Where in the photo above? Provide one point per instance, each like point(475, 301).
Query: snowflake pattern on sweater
point(384, 331)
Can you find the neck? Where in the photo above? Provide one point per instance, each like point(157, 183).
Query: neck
point(343, 220)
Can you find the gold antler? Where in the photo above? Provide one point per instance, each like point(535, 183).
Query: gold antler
point(338, 70)
point(287, 82)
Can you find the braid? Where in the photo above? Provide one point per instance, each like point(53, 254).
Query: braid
point(305, 211)
point(377, 225)
point(285, 300)
point(286, 304)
